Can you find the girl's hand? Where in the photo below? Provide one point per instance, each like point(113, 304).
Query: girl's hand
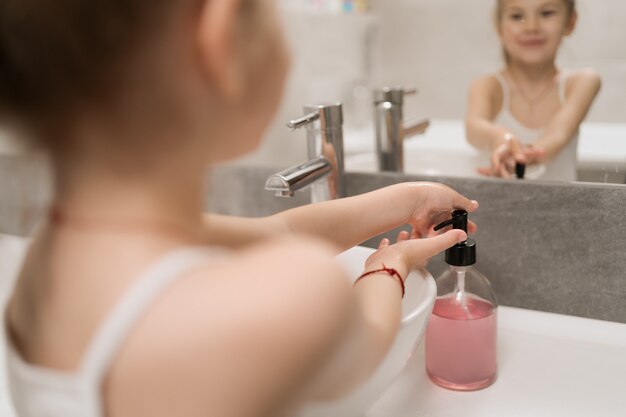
point(506, 153)
point(411, 254)
point(434, 205)
point(535, 154)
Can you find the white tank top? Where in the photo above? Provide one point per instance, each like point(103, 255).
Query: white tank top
point(43, 392)
point(563, 166)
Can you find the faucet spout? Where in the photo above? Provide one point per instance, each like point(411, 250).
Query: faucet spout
point(290, 180)
point(416, 127)
point(324, 171)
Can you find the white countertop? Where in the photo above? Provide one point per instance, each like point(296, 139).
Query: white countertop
point(549, 365)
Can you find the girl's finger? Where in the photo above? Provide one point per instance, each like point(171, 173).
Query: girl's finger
point(510, 164)
point(495, 161)
point(434, 245)
point(517, 152)
point(471, 227)
point(383, 243)
point(503, 172)
point(534, 154)
point(403, 235)
point(462, 202)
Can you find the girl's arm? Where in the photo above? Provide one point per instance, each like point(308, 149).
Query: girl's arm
point(349, 221)
point(376, 316)
point(485, 100)
point(237, 232)
point(581, 90)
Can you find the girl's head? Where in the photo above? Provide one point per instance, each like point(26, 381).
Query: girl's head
point(531, 31)
point(192, 66)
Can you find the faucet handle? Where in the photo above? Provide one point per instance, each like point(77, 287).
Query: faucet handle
point(393, 95)
point(304, 120)
point(329, 115)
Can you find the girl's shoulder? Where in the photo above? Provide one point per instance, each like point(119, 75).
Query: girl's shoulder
point(251, 325)
point(488, 89)
point(586, 79)
point(489, 84)
point(589, 74)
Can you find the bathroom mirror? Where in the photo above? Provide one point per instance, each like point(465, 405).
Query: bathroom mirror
point(439, 47)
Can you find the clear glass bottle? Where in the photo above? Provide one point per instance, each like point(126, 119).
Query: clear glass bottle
point(461, 336)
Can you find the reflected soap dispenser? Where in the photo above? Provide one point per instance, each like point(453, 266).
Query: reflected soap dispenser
point(461, 334)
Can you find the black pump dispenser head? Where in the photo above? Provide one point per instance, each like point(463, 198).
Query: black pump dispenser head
point(464, 253)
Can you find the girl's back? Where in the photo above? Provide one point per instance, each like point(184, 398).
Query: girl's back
point(207, 330)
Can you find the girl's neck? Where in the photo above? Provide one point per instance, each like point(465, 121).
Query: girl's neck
point(143, 161)
point(164, 203)
point(532, 73)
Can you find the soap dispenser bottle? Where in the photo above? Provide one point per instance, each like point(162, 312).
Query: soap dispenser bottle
point(461, 334)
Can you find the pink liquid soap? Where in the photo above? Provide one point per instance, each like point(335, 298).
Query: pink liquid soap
point(461, 343)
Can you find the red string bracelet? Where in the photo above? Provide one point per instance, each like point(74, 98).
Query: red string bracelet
point(392, 272)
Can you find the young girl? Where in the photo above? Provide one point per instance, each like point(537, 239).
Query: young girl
point(530, 111)
point(131, 302)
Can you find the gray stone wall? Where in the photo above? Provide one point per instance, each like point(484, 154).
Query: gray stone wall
point(544, 246)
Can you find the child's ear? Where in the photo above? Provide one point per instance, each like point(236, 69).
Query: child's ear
point(571, 23)
point(219, 45)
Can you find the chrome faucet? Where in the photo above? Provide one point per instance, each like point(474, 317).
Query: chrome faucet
point(391, 129)
point(324, 171)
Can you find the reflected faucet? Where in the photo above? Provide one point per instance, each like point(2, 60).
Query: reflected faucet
point(391, 129)
point(324, 171)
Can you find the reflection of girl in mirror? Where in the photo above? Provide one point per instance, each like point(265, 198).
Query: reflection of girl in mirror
point(530, 111)
point(131, 300)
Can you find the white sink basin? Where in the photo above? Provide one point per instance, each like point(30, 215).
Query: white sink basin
point(416, 308)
